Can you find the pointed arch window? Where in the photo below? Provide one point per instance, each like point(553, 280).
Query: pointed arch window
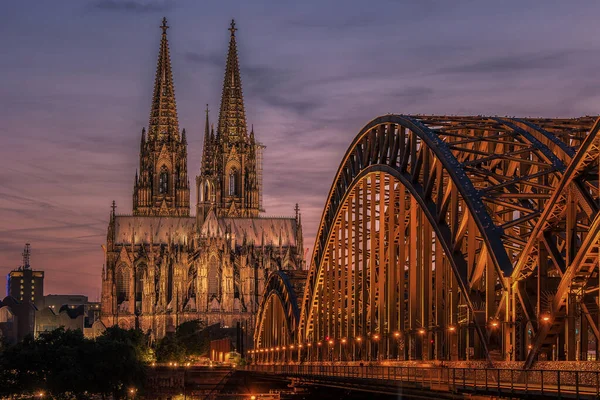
point(214, 278)
point(163, 180)
point(206, 192)
point(232, 182)
point(122, 285)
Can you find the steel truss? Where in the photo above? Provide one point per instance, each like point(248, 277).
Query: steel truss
point(458, 238)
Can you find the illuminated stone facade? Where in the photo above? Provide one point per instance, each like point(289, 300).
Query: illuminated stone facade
point(163, 266)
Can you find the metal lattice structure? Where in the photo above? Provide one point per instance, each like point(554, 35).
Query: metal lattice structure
point(458, 238)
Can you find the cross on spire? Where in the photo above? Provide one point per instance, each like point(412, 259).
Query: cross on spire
point(164, 25)
point(297, 209)
point(114, 207)
point(233, 28)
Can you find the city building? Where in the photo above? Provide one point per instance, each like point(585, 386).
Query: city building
point(25, 284)
point(69, 311)
point(164, 267)
point(17, 319)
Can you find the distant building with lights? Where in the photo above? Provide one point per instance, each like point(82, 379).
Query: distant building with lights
point(24, 296)
point(69, 311)
point(25, 284)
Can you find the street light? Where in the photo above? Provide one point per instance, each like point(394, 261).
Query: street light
point(546, 317)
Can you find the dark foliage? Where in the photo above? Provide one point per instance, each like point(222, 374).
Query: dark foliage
point(64, 364)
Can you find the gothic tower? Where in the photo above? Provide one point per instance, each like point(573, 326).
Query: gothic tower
point(230, 177)
point(162, 187)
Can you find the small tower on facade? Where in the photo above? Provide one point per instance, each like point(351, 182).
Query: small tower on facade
point(230, 177)
point(162, 187)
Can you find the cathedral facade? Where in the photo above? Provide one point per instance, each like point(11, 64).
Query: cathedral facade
point(163, 266)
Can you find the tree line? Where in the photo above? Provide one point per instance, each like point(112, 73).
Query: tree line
point(63, 364)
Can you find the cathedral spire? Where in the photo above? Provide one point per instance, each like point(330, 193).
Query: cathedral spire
point(207, 143)
point(232, 117)
point(164, 124)
point(162, 187)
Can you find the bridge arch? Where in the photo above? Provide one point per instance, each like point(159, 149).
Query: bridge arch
point(464, 193)
point(276, 328)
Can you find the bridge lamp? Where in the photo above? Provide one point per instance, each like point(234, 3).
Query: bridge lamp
point(359, 339)
point(309, 345)
point(253, 397)
point(276, 348)
point(319, 344)
point(375, 337)
point(174, 364)
point(546, 317)
point(421, 331)
point(283, 348)
point(40, 394)
point(292, 347)
point(396, 334)
point(272, 349)
point(494, 323)
point(530, 347)
point(452, 328)
point(331, 342)
point(343, 341)
point(300, 345)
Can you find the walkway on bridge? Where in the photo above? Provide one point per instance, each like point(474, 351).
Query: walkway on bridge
point(483, 381)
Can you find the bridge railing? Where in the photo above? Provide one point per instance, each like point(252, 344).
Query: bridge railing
point(578, 384)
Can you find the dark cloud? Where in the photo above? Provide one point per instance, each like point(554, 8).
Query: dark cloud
point(513, 63)
point(134, 6)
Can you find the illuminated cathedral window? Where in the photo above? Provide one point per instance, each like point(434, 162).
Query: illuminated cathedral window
point(163, 181)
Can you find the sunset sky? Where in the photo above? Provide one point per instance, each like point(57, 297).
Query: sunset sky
point(77, 78)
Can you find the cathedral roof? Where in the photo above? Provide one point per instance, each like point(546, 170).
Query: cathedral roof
point(160, 229)
point(255, 230)
point(211, 226)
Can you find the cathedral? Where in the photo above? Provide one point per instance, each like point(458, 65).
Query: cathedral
point(163, 266)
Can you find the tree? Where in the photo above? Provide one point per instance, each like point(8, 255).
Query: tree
point(170, 349)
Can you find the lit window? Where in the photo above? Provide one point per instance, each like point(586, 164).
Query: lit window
point(21, 293)
point(22, 287)
point(22, 281)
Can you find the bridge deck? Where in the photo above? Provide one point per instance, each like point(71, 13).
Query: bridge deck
point(500, 382)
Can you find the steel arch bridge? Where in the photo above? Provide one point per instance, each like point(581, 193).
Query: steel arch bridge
point(457, 238)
